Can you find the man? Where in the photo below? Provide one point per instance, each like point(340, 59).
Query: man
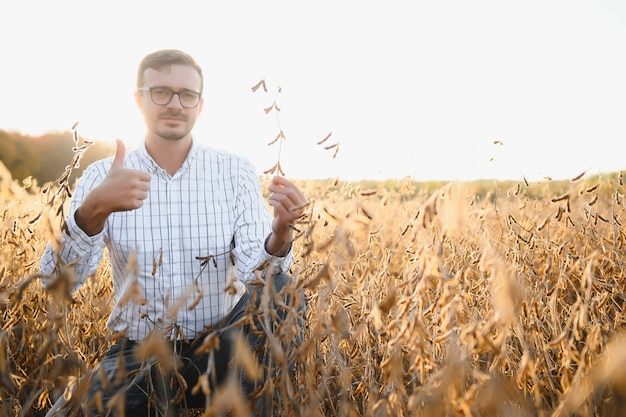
point(186, 228)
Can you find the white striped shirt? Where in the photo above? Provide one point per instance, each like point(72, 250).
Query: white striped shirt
point(183, 237)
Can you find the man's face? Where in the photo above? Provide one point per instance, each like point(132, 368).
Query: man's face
point(171, 121)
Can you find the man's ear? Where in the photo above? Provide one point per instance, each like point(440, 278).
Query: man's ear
point(138, 98)
point(200, 105)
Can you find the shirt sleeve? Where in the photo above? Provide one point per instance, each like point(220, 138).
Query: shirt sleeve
point(254, 224)
point(76, 247)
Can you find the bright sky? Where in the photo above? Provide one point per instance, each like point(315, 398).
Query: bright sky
point(426, 89)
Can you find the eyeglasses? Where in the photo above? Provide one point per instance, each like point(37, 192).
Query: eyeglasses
point(163, 95)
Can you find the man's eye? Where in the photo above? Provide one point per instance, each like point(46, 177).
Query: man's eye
point(188, 95)
point(161, 92)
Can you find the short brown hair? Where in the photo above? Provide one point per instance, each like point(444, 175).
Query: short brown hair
point(164, 58)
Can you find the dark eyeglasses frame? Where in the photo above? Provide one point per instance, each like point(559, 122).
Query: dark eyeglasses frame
point(174, 93)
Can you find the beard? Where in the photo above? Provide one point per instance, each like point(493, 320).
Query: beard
point(176, 126)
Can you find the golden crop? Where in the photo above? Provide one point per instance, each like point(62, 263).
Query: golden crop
point(444, 302)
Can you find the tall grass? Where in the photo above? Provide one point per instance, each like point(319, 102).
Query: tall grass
point(420, 303)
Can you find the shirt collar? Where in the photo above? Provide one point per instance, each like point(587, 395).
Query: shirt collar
point(155, 168)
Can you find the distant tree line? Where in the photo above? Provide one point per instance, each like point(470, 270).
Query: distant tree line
point(45, 157)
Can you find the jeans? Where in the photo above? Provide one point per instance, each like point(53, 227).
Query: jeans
point(135, 388)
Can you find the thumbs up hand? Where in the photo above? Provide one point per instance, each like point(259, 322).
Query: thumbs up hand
point(120, 153)
point(121, 190)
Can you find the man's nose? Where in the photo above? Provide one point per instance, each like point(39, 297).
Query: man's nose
point(175, 101)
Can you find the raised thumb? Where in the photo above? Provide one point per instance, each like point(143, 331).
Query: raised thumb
point(120, 152)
